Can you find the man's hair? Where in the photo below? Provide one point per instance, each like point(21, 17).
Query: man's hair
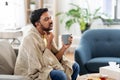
point(36, 14)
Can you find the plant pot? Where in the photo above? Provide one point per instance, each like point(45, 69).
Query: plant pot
point(32, 7)
point(86, 28)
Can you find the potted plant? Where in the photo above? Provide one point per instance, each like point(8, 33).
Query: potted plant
point(79, 15)
point(32, 5)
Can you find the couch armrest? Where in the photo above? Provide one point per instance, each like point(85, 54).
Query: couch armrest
point(11, 77)
point(82, 55)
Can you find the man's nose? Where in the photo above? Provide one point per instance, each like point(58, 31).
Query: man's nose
point(50, 20)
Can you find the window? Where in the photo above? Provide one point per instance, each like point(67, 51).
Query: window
point(110, 7)
point(12, 15)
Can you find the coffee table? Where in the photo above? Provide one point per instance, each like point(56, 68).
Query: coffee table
point(93, 76)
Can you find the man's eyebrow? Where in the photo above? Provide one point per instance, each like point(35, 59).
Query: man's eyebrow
point(46, 17)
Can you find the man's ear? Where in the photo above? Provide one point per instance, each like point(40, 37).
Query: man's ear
point(36, 23)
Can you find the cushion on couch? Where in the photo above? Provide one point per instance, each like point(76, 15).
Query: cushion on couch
point(7, 58)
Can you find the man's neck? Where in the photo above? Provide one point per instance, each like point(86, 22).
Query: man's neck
point(41, 31)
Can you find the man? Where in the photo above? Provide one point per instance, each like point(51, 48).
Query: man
point(38, 57)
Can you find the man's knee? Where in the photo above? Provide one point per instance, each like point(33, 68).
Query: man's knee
point(76, 66)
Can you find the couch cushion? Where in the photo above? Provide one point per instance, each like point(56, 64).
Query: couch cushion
point(102, 42)
point(7, 58)
point(94, 64)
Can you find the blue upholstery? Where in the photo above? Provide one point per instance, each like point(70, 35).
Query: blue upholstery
point(97, 47)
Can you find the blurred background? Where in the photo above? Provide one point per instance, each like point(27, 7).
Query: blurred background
point(14, 16)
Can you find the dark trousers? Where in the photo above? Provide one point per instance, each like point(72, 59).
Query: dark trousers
point(60, 75)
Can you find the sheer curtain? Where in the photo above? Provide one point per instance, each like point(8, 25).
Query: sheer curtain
point(118, 10)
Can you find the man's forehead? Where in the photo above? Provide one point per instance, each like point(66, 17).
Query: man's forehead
point(45, 14)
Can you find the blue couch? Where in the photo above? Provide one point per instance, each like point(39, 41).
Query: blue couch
point(96, 48)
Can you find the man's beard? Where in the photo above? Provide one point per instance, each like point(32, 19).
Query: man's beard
point(45, 29)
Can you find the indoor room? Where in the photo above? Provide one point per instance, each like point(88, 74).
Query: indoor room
point(85, 32)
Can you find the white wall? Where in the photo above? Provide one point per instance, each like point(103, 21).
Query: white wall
point(13, 14)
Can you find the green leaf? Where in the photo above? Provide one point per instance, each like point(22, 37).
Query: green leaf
point(73, 13)
point(96, 12)
point(69, 23)
point(75, 5)
point(79, 15)
point(82, 25)
point(59, 13)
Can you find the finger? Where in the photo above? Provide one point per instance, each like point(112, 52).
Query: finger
point(70, 39)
